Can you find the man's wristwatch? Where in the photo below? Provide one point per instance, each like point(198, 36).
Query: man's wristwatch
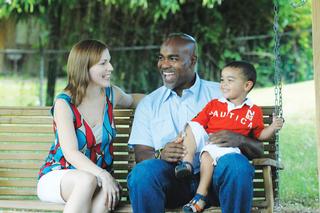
point(157, 153)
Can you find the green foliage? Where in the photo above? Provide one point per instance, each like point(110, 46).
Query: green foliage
point(164, 8)
point(19, 6)
point(210, 3)
point(296, 43)
point(225, 30)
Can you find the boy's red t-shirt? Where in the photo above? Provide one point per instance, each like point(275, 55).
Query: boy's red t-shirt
point(245, 120)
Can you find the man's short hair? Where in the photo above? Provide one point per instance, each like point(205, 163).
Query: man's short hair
point(248, 70)
point(185, 37)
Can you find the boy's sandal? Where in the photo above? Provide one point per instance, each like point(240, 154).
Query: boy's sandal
point(184, 169)
point(197, 204)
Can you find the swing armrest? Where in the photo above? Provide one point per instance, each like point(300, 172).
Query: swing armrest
point(267, 162)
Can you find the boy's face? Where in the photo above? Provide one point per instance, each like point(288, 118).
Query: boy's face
point(234, 85)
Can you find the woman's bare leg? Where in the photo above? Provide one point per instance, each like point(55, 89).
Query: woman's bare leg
point(77, 189)
point(99, 202)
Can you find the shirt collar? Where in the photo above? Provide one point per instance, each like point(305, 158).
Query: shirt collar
point(195, 89)
point(231, 106)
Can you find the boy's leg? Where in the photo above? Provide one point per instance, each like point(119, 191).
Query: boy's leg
point(206, 171)
point(190, 144)
point(184, 168)
point(198, 202)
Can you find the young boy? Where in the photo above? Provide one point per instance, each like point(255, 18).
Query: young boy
point(234, 112)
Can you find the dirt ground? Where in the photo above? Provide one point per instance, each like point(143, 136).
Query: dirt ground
point(295, 209)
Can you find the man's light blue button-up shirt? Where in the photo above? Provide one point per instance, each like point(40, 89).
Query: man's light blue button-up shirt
point(162, 114)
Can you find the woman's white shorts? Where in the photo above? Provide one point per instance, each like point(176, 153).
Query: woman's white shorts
point(49, 186)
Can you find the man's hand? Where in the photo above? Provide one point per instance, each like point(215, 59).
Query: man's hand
point(226, 138)
point(174, 151)
point(248, 146)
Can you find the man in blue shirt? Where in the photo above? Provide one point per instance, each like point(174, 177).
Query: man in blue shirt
point(156, 138)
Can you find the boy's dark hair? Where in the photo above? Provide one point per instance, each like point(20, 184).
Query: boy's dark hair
point(247, 69)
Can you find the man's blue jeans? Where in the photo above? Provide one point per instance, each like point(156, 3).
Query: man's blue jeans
point(154, 187)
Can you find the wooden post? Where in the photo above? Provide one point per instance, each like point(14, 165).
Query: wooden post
point(316, 67)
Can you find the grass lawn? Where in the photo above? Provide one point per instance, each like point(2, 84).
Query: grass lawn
point(298, 152)
point(298, 182)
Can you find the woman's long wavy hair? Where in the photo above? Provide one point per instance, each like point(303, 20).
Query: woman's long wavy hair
point(82, 56)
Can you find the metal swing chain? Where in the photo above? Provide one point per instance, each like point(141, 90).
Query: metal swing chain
point(278, 81)
point(278, 87)
point(277, 61)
